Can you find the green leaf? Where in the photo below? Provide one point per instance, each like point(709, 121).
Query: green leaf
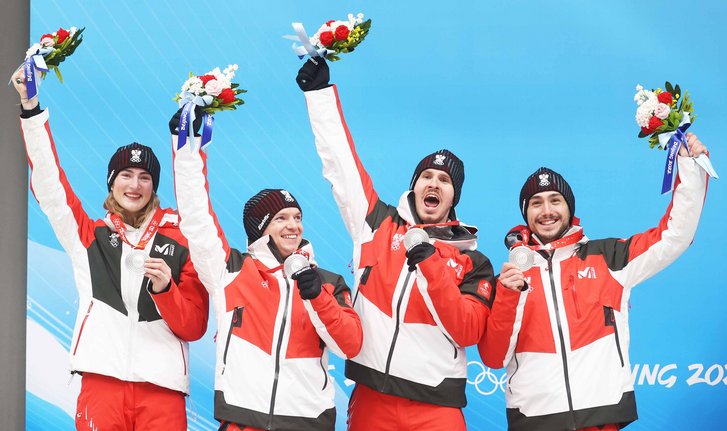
point(669, 88)
point(58, 73)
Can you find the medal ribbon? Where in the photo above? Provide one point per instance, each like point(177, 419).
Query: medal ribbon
point(562, 242)
point(148, 234)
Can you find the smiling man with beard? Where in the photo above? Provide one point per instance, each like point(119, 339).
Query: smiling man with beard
point(419, 307)
point(565, 338)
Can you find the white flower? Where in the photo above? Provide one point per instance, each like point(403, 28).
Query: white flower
point(47, 42)
point(32, 50)
point(645, 112)
point(662, 111)
point(73, 31)
point(193, 85)
point(213, 87)
point(645, 96)
point(230, 71)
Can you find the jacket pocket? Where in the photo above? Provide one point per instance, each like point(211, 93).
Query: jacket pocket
point(610, 320)
point(236, 322)
point(83, 324)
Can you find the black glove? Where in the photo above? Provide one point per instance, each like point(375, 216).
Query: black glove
point(174, 122)
point(309, 283)
point(418, 253)
point(314, 75)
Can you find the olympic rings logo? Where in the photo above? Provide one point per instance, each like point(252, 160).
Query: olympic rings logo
point(486, 382)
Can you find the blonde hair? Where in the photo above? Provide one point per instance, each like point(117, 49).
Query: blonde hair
point(136, 220)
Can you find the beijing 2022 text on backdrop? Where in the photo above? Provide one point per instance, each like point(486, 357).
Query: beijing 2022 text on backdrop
point(508, 86)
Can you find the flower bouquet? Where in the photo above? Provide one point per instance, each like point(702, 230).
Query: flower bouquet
point(332, 38)
point(213, 92)
point(48, 54)
point(664, 116)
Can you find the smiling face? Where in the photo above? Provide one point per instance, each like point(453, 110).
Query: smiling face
point(548, 216)
point(286, 230)
point(132, 189)
point(433, 196)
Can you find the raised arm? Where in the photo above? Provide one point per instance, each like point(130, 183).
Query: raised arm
point(352, 186)
point(208, 246)
point(637, 258)
point(48, 182)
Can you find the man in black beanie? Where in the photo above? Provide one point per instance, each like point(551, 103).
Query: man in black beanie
point(419, 307)
point(565, 338)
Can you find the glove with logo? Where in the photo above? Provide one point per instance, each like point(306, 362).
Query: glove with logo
point(314, 75)
point(196, 124)
point(418, 253)
point(309, 283)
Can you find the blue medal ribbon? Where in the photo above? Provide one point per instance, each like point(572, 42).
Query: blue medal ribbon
point(185, 125)
point(208, 121)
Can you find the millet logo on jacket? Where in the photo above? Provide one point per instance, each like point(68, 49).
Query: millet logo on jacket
point(165, 249)
point(588, 272)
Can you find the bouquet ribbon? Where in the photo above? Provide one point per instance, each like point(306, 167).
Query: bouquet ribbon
point(33, 65)
point(307, 48)
point(188, 102)
point(672, 141)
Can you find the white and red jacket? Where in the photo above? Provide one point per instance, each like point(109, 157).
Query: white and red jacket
point(416, 324)
point(272, 346)
point(565, 341)
point(121, 329)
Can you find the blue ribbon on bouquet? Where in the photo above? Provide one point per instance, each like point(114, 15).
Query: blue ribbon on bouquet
point(307, 48)
point(32, 66)
point(676, 140)
point(189, 101)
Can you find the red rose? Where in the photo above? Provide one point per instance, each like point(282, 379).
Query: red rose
point(654, 124)
point(326, 38)
point(342, 32)
point(226, 96)
point(665, 97)
point(206, 78)
point(62, 35)
point(46, 35)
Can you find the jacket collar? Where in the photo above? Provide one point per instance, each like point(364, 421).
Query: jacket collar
point(267, 253)
point(462, 236)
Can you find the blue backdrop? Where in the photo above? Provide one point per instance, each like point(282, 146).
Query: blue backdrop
point(508, 86)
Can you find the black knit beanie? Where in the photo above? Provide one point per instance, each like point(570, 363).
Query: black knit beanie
point(134, 155)
point(260, 209)
point(546, 180)
point(442, 160)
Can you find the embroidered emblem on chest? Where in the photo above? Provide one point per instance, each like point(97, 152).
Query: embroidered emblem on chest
point(114, 239)
point(396, 241)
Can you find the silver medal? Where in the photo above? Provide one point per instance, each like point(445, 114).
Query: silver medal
point(522, 257)
point(135, 261)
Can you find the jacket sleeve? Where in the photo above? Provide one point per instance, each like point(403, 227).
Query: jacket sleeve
point(208, 247)
point(352, 186)
point(333, 316)
point(461, 311)
point(185, 305)
point(498, 344)
point(48, 182)
point(647, 253)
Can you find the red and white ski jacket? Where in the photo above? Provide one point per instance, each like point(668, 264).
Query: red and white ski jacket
point(121, 329)
point(565, 341)
point(272, 346)
point(416, 324)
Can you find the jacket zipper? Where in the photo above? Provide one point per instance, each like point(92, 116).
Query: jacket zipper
point(236, 321)
point(277, 355)
point(612, 317)
point(80, 331)
point(325, 374)
point(562, 342)
point(396, 330)
point(572, 284)
point(184, 360)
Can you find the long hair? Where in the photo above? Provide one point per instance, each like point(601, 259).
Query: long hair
point(111, 205)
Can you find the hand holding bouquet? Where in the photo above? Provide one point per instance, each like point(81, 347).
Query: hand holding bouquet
point(664, 116)
point(48, 54)
point(212, 92)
